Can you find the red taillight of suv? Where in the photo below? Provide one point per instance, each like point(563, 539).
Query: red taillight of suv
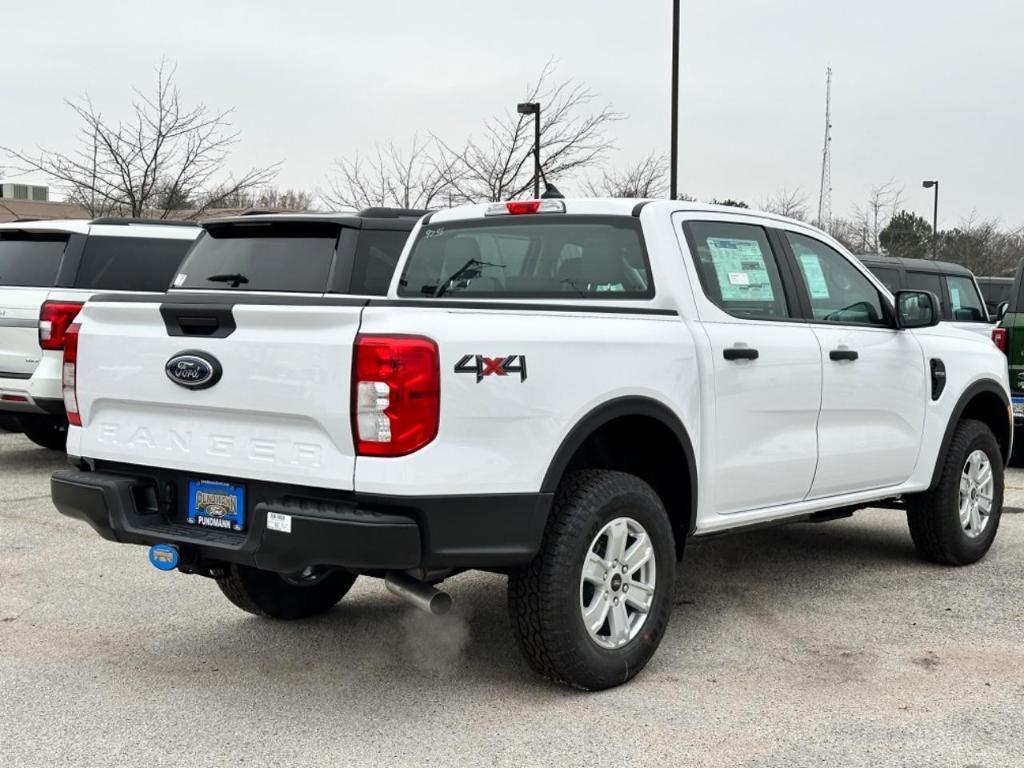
point(69, 374)
point(999, 337)
point(396, 394)
point(54, 319)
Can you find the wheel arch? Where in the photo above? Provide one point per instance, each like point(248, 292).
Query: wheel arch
point(647, 419)
point(986, 401)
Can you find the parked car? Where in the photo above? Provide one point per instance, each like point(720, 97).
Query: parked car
point(564, 391)
point(960, 298)
point(996, 292)
point(48, 269)
point(1008, 335)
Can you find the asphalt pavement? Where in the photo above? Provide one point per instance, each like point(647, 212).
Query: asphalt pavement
point(805, 645)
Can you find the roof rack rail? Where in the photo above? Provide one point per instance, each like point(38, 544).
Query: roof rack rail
point(391, 213)
point(261, 212)
point(25, 219)
point(125, 221)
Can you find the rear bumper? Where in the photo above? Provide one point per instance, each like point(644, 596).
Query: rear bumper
point(145, 506)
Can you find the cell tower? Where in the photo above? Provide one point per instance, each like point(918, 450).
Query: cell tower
point(825, 195)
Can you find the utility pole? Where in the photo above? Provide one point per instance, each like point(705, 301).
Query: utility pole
point(825, 193)
point(674, 152)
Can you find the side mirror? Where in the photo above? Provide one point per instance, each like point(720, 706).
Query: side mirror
point(1001, 309)
point(916, 309)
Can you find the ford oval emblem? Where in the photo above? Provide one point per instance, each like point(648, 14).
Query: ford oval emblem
point(193, 370)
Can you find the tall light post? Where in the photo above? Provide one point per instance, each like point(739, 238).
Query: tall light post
point(533, 108)
point(935, 212)
point(674, 145)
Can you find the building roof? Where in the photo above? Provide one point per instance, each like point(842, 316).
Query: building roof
point(12, 210)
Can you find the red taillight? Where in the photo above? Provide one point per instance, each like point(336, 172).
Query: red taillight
point(396, 394)
point(516, 207)
point(999, 337)
point(69, 375)
point(54, 319)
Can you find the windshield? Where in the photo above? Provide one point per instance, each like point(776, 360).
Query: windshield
point(591, 257)
point(286, 256)
point(30, 260)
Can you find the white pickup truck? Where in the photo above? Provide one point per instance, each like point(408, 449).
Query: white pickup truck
point(563, 391)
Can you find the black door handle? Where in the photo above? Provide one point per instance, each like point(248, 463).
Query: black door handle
point(739, 353)
point(843, 354)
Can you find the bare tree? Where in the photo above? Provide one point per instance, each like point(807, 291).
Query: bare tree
point(417, 178)
point(882, 204)
point(499, 165)
point(166, 157)
point(270, 198)
point(786, 202)
point(648, 177)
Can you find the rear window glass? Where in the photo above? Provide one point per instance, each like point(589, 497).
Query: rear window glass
point(285, 256)
point(130, 263)
point(376, 256)
point(30, 260)
point(590, 257)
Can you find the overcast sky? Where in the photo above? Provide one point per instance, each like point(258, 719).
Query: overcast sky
point(921, 89)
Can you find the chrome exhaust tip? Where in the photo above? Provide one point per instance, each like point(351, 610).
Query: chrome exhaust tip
point(418, 593)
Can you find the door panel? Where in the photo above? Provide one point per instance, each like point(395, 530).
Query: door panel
point(765, 413)
point(872, 409)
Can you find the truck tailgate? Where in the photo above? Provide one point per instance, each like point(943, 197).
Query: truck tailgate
point(280, 411)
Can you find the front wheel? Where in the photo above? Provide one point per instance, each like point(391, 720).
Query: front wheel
point(45, 431)
point(276, 596)
point(593, 605)
point(956, 522)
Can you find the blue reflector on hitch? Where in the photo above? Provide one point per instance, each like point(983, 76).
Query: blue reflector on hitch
point(164, 556)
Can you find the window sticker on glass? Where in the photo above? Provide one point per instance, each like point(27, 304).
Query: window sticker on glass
point(954, 297)
point(815, 276)
point(740, 269)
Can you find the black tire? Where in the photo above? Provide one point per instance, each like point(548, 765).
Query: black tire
point(46, 431)
point(934, 516)
point(1017, 455)
point(544, 597)
point(268, 594)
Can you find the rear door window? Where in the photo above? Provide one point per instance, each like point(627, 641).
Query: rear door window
point(374, 263)
point(278, 256)
point(928, 281)
point(30, 260)
point(890, 277)
point(542, 256)
point(130, 263)
point(965, 304)
point(738, 269)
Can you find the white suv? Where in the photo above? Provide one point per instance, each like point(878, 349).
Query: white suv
point(48, 269)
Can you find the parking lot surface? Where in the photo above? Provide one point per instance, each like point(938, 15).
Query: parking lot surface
point(805, 645)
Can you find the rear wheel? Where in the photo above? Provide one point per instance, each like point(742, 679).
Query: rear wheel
point(593, 605)
point(45, 431)
point(277, 596)
point(956, 522)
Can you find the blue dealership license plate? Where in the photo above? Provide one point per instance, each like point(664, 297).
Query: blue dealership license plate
point(216, 505)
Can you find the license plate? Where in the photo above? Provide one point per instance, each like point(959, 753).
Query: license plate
point(1018, 407)
point(216, 505)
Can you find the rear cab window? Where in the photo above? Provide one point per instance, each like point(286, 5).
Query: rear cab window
point(30, 260)
point(261, 256)
point(530, 256)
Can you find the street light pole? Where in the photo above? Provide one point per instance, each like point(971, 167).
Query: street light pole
point(533, 108)
point(935, 213)
point(674, 152)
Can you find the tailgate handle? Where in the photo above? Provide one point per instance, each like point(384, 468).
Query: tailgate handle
point(211, 322)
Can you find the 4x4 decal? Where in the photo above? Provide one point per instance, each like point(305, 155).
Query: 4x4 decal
point(486, 366)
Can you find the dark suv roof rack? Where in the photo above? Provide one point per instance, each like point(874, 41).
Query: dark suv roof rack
point(125, 221)
point(391, 213)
